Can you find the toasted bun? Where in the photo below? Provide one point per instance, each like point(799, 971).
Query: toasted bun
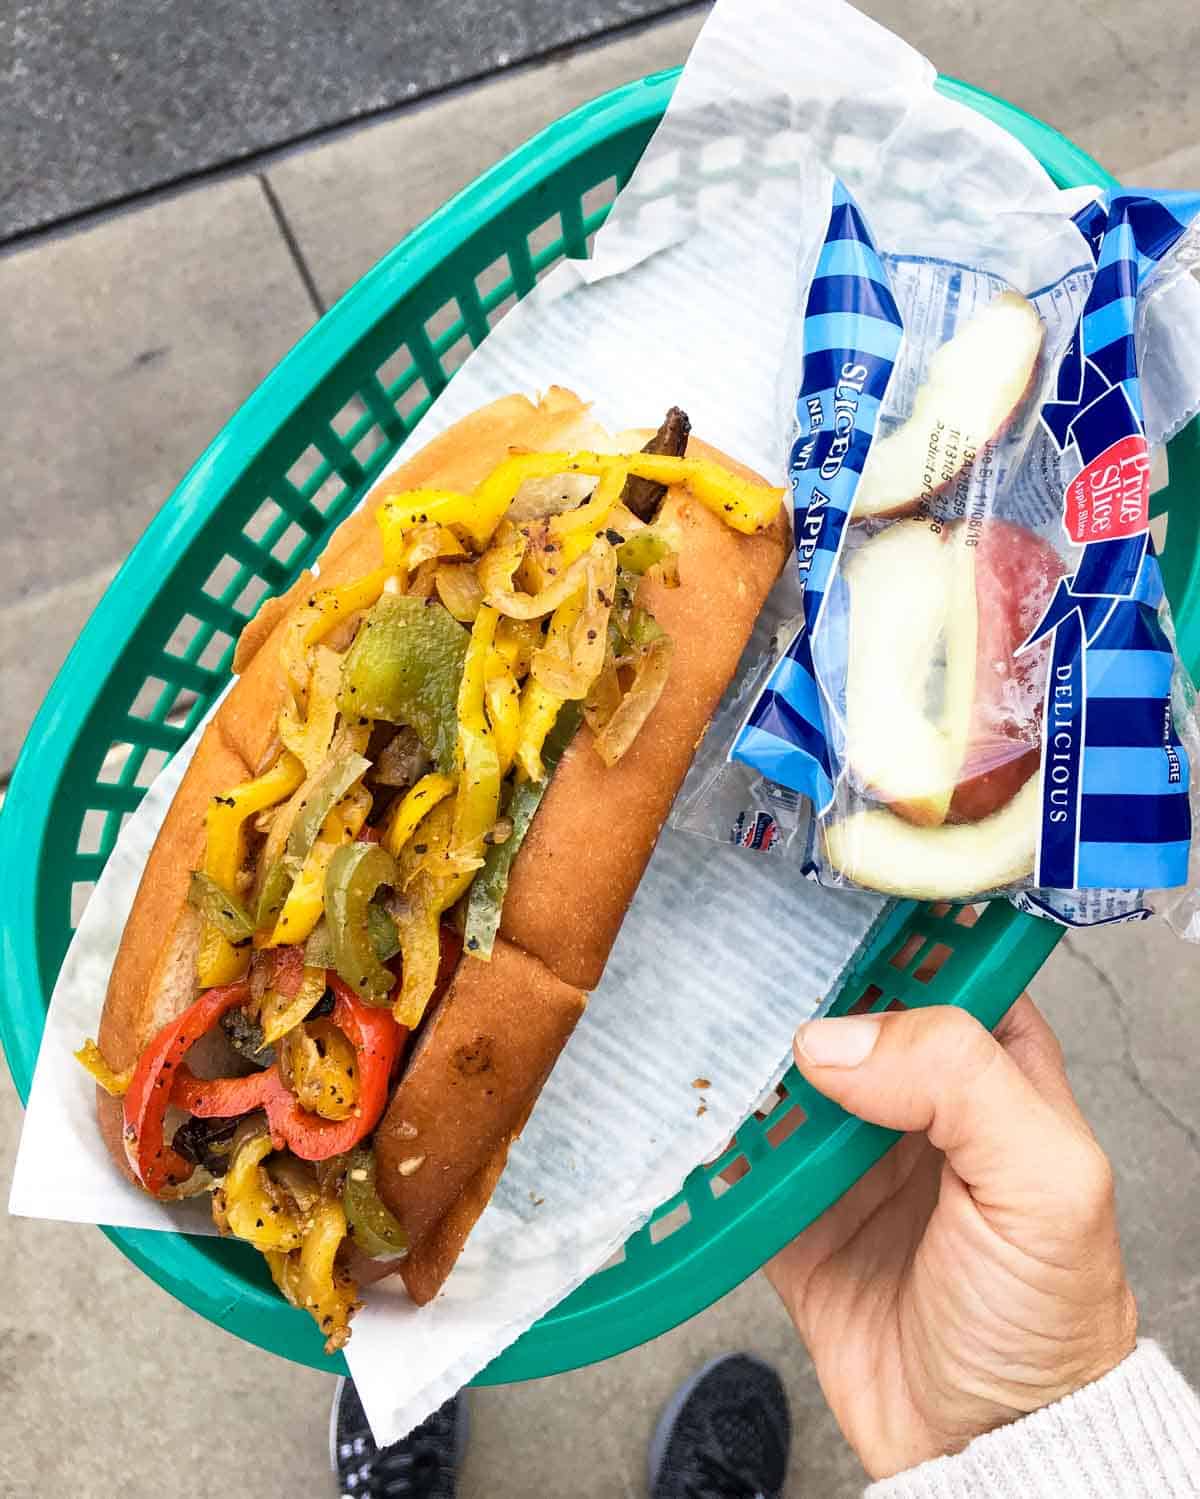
point(571, 882)
point(481, 1063)
point(568, 892)
point(597, 826)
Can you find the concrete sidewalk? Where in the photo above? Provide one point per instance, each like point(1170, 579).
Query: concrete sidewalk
point(127, 344)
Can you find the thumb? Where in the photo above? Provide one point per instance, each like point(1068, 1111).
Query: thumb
point(940, 1072)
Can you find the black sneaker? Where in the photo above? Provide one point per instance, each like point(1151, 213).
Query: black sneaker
point(424, 1465)
point(724, 1434)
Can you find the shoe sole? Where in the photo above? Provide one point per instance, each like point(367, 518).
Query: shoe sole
point(666, 1422)
point(462, 1431)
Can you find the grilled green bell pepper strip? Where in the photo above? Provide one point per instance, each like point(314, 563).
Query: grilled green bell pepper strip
point(405, 667)
point(631, 627)
point(636, 627)
point(490, 884)
point(375, 1230)
point(219, 908)
point(329, 785)
point(385, 940)
point(642, 551)
point(355, 873)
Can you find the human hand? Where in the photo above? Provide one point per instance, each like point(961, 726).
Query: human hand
point(975, 1274)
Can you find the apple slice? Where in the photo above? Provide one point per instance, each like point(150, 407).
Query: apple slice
point(976, 382)
point(1016, 573)
point(912, 602)
point(880, 851)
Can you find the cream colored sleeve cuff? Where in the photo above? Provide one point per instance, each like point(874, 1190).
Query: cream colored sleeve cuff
point(1135, 1434)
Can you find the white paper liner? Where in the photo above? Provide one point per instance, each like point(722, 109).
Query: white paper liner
point(693, 298)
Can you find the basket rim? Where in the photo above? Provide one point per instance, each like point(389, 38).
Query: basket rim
point(76, 689)
point(169, 1257)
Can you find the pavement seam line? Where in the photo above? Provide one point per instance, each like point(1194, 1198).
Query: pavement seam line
point(292, 243)
point(259, 158)
point(1128, 1060)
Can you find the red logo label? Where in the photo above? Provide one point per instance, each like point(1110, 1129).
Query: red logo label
point(1110, 498)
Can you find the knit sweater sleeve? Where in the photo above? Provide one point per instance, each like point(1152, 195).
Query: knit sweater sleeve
point(1135, 1434)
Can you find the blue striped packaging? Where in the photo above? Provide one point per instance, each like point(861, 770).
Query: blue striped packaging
point(1073, 468)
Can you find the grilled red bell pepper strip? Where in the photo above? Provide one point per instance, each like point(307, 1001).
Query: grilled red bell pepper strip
point(224, 1097)
point(156, 1165)
point(378, 1045)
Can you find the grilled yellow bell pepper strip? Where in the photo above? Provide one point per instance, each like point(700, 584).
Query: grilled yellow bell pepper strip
point(306, 899)
point(326, 607)
point(539, 709)
point(224, 821)
point(744, 505)
point(421, 949)
point(476, 514)
point(516, 641)
point(411, 808)
point(503, 699)
point(477, 803)
point(247, 1203)
point(309, 1277)
point(399, 514)
point(488, 889)
point(281, 1010)
point(92, 1059)
point(431, 883)
point(549, 559)
point(492, 498)
point(317, 1061)
point(740, 503)
point(218, 960)
point(310, 736)
point(583, 522)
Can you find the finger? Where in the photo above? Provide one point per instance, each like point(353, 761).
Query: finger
point(1026, 1036)
point(939, 1071)
point(839, 1223)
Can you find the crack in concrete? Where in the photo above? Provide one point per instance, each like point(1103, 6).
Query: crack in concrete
point(1129, 1062)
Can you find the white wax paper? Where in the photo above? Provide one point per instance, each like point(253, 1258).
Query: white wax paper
point(693, 298)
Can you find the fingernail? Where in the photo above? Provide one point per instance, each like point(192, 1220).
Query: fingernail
point(846, 1042)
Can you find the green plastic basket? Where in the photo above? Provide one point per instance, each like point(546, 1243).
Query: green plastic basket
point(257, 508)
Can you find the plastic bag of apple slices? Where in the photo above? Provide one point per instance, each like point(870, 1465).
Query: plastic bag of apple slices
point(981, 695)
